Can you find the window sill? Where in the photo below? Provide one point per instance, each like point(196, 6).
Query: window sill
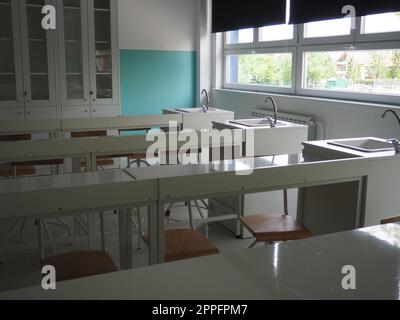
point(354, 103)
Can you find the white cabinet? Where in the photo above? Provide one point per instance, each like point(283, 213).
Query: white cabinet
point(88, 58)
point(27, 67)
point(69, 72)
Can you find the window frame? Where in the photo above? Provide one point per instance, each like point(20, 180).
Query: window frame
point(298, 46)
point(373, 37)
point(348, 95)
point(260, 88)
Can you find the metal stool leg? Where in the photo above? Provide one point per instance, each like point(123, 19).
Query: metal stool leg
point(140, 228)
point(102, 232)
point(6, 238)
point(40, 239)
point(285, 202)
point(191, 222)
point(253, 244)
point(49, 236)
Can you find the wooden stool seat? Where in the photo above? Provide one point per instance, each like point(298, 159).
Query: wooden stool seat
point(80, 264)
point(135, 156)
point(18, 171)
point(391, 220)
point(271, 228)
point(181, 244)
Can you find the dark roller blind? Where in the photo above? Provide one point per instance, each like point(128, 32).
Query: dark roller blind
point(302, 11)
point(229, 15)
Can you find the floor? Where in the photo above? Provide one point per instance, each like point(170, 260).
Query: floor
point(21, 268)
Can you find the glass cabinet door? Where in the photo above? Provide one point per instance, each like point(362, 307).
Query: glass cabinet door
point(11, 92)
point(102, 26)
point(73, 40)
point(38, 55)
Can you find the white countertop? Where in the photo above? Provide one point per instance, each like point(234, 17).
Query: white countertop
point(304, 269)
point(52, 182)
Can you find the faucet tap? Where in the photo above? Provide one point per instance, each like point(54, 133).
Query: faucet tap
point(396, 145)
point(205, 106)
point(271, 122)
point(392, 112)
point(275, 108)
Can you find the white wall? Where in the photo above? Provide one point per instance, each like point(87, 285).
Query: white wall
point(158, 24)
point(340, 119)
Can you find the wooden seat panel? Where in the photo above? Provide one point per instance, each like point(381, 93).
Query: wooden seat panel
point(74, 265)
point(270, 228)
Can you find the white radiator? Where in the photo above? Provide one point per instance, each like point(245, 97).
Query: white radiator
point(314, 127)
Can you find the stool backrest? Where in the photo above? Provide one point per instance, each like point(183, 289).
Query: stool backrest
point(88, 134)
point(391, 220)
point(15, 137)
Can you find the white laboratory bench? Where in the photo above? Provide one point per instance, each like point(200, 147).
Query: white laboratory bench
point(304, 269)
point(51, 196)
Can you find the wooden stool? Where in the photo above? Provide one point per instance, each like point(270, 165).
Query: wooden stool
point(272, 228)
point(10, 171)
point(80, 264)
point(181, 244)
point(391, 220)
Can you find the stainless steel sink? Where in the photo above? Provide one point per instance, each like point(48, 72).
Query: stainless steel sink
point(364, 145)
point(197, 110)
point(257, 123)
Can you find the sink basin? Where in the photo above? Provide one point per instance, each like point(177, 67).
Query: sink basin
point(364, 145)
point(257, 123)
point(197, 110)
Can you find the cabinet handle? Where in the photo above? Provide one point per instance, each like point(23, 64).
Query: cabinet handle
point(86, 111)
point(25, 93)
point(19, 113)
point(94, 110)
point(28, 113)
point(91, 93)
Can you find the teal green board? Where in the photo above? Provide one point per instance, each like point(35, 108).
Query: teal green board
point(153, 80)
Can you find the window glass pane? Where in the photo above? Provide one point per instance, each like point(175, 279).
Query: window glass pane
point(369, 71)
point(276, 33)
point(379, 23)
point(270, 69)
point(328, 28)
point(240, 36)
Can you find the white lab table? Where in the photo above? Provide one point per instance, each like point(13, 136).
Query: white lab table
point(73, 194)
point(303, 269)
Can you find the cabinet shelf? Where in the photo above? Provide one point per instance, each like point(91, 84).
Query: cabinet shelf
point(36, 40)
point(101, 10)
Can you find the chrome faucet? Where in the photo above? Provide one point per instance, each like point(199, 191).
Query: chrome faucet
point(205, 106)
point(393, 112)
point(396, 145)
point(275, 109)
point(395, 142)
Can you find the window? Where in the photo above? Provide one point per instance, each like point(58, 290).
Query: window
point(240, 36)
point(381, 23)
point(265, 69)
point(276, 33)
point(328, 28)
point(363, 71)
point(323, 59)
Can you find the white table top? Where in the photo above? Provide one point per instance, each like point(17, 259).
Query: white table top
point(305, 269)
point(172, 171)
point(51, 182)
